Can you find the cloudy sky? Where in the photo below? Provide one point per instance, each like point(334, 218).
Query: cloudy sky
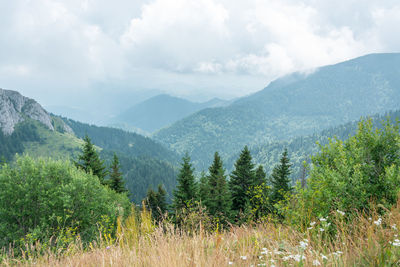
point(60, 52)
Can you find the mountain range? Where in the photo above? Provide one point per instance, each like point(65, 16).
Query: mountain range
point(294, 105)
point(160, 111)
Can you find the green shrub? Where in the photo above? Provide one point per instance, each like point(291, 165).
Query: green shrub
point(350, 175)
point(40, 199)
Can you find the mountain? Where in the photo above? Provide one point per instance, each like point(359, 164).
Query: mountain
point(294, 105)
point(160, 111)
point(26, 127)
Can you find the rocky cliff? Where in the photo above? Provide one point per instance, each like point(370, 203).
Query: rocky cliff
point(15, 107)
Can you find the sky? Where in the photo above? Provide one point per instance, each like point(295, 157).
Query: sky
point(75, 53)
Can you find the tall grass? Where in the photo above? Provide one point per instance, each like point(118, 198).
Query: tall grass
point(367, 240)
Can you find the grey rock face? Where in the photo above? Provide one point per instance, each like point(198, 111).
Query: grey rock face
point(14, 108)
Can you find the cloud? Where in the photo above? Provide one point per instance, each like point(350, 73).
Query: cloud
point(186, 47)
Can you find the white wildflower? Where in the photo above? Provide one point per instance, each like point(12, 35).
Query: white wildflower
point(316, 263)
point(243, 257)
point(394, 227)
point(378, 222)
point(309, 228)
point(263, 252)
point(230, 263)
point(303, 244)
point(286, 258)
point(262, 264)
point(324, 257)
point(299, 257)
point(341, 212)
point(312, 223)
point(321, 229)
point(396, 243)
point(322, 219)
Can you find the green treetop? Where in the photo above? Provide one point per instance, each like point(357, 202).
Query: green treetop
point(280, 179)
point(90, 162)
point(116, 181)
point(242, 179)
point(186, 188)
point(218, 202)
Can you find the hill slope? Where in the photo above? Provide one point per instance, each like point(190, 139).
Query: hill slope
point(291, 106)
point(160, 111)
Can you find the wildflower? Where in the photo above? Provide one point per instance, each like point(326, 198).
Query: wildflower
point(369, 218)
point(341, 212)
point(243, 257)
point(337, 253)
point(321, 229)
point(312, 223)
point(286, 258)
point(230, 263)
point(316, 263)
point(262, 264)
point(378, 222)
point(324, 257)
point(394, 227)
point(396, 243)
point(299, 257)
point(108, 247)
point(260, 257)
point(322, 219)
point(309, 228)
point(303, 244)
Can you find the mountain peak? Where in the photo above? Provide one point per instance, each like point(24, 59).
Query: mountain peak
point(14, 108)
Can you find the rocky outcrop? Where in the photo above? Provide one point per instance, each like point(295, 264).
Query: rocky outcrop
point(14, 108)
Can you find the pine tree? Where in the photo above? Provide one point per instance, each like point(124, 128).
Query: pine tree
point(259, 195)
point(242, 179)
point(116, 181)
point(218, 202)
point(90, 162)
point(280, 179)
point(186, 189)
point(161, 200)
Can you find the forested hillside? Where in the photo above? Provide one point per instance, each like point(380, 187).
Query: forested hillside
point(161, 111)
point(295, 105)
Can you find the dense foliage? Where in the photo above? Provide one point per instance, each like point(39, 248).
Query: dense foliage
point(349, 175)
point(44, 198)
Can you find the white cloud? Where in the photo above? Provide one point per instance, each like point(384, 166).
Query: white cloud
point(187, 47)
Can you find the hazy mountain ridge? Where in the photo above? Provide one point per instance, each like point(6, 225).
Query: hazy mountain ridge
point(161, 111)
point(291, 106)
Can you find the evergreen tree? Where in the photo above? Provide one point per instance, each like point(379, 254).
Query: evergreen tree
point(203, 187)
point(280, 179)
point(242, 179)
point(90, 162)
point(218, 201)
point(116, 181)
point(186, 188)
point(156, 202)
point(260, 176)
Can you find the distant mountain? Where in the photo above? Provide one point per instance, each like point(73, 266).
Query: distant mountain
point(294, 105)
point(160, 111)
point(26, 127)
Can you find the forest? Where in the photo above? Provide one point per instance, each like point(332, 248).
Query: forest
point(80, 205)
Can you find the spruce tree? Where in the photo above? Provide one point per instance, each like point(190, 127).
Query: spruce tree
point(156, 202)
point(260, 176)
point(203, 188)
point(280, 179)
point(116, 181)
point(90, 162)
point(218, 202)
point(185, 191)
point(242, 179)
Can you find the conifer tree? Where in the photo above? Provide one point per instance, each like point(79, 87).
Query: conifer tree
point(186, 188)
point(156, 202)
point(280, 179)
point(116, 181)
point(90, 162)
point(218, 201)
point(203, 188)
point(260, 176)
point(242, 179)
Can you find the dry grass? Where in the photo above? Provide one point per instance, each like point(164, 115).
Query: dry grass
point(364, 242)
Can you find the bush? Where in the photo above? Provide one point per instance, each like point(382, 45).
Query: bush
point(40, 199)
point(349, 175)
